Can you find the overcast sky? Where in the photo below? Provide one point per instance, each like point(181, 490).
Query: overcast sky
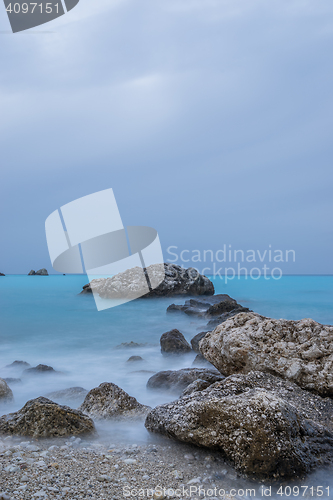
point(210, 119)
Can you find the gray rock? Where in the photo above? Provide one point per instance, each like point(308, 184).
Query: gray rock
point(197, 385)
point(129, 345)
point(108, 401)
point(301, 351)
point(72, 394)
point(199, 360)
point(268, 427)
point(6, 394)
point(178, 380)
point(32, 273)
point(174, 342)
point(18, 364)
point(40, 369)
point(132, 359)
point(196, 339)
point(11, 380)
point(177, 281)
point(42, 417)
point(41, 272)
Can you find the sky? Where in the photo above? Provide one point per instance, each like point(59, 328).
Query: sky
point(210, 119)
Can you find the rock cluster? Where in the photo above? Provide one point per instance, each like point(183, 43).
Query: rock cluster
point(301, 351)
point(108, 401)
point(41, 272)
point(268, 427)
point(42, 417)
point(177, 281)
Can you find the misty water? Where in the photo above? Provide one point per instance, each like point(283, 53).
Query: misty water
point(44, 320)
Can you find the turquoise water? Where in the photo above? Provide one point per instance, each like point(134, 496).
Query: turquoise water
point(44, 320)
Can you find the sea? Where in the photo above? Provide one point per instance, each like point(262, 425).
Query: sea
point(45, 320)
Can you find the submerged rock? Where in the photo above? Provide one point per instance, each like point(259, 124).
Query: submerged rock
point(11, 380)
point(177, 281)
point(41, 417)
point(108, 401)
point(301, 351)
point(177, 380)
point(128, 345)
point(18, 364)
point(40, 369)
point(6, 394)
point(133, 359)
point(72, 394)
point(174, 342)
point(268, 427)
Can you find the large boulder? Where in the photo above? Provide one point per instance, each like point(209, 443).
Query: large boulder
point(177, 380)
point(177, 281)
point(42, 417)
point(6, 394)
point(269, 428)
point(301, 351)
point(108, 401)
point(174, 342)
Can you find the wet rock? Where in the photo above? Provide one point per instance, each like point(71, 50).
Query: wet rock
point(72, 394)
point(132, 359)
point(18, 364)
point(177, 281)
point(40, 369)
point(41, 417)
point(6, 394)
point(178, 380)
point(196, 339)
point(301, 351)
point(268, 427)
point(174, 342)
point(108, 401)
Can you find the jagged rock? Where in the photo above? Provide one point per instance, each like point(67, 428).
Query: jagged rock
point(301, 351)
point(18, 364)
point(268, 427)
point(41, 272)
point(177, 281)
point(108, 401)
point(217, 308)
point(178, 380)
point(41, 417)
point(195, 341)
point(132, 359)
point(6, 394)
point(72, 394)
point(40, 369)
point(174, 342)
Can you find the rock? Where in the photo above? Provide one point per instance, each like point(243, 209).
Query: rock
point(108, 401)
point(199, 360)
point(301, 351)
point(268, 427)
point(18, 364)
point(178, 380)
point(1, 274)
point(40, 369)
point(177, 281)
point(128, 345)
point(41, 272)
point(174, 342)
point(134, 358)
point(72, 394)
point(195, 341)
point(41, 417)
point(197, 385)
point(11, 380)
point(6, 394)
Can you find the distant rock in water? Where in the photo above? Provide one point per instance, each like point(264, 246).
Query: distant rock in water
point(18, 364)
point(301, 351)
point(128, 345)
point(1, 274)
point(216, 308)
point(11, 380)
point(6, 394)
point(133, 359)
point(269, 428)
point(174, 342)
point(177, 281)
point(70, 395)
point(39, 370)
point(178, 380)
point(108, 401)
point(42, 417)
point(41, 272)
